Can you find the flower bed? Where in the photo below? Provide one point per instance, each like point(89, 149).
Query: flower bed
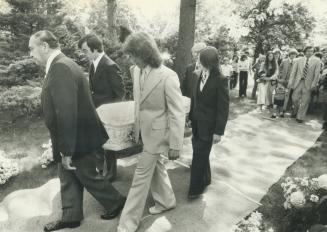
point(8, 168)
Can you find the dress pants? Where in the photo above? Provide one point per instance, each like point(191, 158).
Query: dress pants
point(243, 83)
point(301, 99)
point(288, 100)
point(72, 184)
point(106, 163)
point(150, 173)
point(200, 169)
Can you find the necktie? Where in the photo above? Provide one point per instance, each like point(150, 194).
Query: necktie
point(203, 80)
point(305, 70)
point(91, 76)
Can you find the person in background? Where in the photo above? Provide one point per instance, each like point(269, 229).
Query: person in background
point(209, 114)
point(278, 56)
point(284, 76)
point(76, 133)
point(190, 78)
point(106, 86)
point(256, 68)
point(323, 85)
point(234, 76)
point(227, 70)
point(303, 79)
point(159, 124)
point(244, 67)
point(268, 73)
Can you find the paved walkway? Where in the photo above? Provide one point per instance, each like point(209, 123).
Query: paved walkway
point(253, 154)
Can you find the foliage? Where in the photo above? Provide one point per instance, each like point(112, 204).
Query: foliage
point(20, 101)
point(276, 26)
point(26, 17)
point(253, 223)
point(8, 168)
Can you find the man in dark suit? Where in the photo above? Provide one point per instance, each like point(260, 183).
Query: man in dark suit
point(106, 86)
point(76, 133)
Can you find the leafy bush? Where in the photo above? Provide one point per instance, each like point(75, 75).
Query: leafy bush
point(8, 168)
point(19, 72)
point(20, 101)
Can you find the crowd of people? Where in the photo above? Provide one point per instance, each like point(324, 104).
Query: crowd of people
point(288, 81)
point(69, 104)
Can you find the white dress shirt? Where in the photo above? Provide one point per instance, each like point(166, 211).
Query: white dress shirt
point(97, 60)
point(50, 59)
point(205, 75)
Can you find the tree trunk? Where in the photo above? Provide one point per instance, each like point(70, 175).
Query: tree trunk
point(111, 19)
point(185, 36)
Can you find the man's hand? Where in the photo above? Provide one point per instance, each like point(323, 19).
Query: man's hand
point(173, 154)
point(67, 163)
point(216, 139)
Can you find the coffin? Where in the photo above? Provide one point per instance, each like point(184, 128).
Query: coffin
point(118, 120)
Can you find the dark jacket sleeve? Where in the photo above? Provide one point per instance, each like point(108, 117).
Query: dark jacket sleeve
point(63, 90)
point(222, 106)
point(116, 82)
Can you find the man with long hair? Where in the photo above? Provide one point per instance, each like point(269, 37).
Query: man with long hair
point(160, 118)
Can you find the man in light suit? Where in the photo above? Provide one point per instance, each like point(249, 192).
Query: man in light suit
point(303, 79)
point(106, 86)
point(284, 75)
point(75, 130)
point(160, 118)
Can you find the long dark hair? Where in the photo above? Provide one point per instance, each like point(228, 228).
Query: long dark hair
point(209, 59)
point(143, 46)
point(272, 62)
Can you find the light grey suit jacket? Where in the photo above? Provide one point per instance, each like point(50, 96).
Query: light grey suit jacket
point(159, 110)
point(285, 71)
point(312, 73)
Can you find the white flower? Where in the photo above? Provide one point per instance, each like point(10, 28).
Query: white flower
point(297, 199)
point(314, 198)
point(304, 183)
point(287, 205)
point(322, 181)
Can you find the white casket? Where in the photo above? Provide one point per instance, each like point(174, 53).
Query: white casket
point(118, 120)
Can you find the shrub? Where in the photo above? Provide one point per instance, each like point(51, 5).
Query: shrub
point(19, 72)
point(8, 168)
point(20, 101)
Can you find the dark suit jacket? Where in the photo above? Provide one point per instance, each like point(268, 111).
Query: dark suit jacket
point(210, 107)
point(190, 80)
point(106, 85)
point(69, 113)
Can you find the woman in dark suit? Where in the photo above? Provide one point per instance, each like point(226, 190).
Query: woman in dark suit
point(209, 113)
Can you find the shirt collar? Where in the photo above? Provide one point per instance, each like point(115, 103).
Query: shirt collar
point(97, 60)
point(50, 59)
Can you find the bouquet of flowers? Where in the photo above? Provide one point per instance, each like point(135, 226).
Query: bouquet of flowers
point(252, 224)
point(303, 197)
point(47, 156)
point(8, 168)
point(300, 191)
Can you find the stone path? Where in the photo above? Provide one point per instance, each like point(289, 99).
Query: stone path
point(253, 154)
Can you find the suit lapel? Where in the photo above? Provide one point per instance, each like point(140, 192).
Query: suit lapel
point(152, 80)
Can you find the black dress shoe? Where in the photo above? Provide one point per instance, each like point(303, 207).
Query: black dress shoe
point(114, 213)
point(193, 196)
point(58, 225)
point(299, 120)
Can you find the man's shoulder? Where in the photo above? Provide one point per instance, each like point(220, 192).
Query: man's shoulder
point(107, 61)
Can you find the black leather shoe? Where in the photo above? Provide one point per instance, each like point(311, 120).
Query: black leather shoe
point(193, 196)
point(299, 120)
point(58, 225)
point(115, 213)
